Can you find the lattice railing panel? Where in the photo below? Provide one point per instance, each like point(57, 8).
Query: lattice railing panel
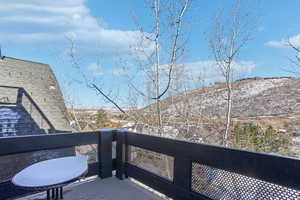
point(223, 185)
point(156, 163)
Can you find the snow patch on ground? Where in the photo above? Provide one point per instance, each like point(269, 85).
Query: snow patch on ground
point(254, 88)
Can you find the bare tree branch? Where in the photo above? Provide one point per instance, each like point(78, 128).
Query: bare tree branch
point(88, 82)
point(174, 48)
point(108, 98)
point(226, 42)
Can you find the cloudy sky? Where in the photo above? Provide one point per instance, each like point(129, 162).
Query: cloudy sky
point(105, 31)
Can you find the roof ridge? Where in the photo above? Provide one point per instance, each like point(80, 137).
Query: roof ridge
point(23, 60)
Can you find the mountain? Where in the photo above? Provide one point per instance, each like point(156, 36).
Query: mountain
point(265, 101)
point(252, 97)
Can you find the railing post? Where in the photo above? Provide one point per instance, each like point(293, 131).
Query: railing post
point(182, 173)
point(120, 154)
point(19, 96)
point(105, 153)
point(128, 155)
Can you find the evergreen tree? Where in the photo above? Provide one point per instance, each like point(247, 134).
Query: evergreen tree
point(102, 120)
point(254, 138)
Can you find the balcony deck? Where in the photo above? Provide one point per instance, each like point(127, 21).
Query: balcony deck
point(102, 189)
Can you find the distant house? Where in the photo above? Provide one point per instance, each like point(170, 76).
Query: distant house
point(90, 127)
point(282, 131)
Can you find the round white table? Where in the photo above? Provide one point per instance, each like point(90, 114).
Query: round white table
point(51, 175)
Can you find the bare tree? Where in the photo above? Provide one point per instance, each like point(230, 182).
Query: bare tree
point(229, 35)
point(155, 57)
point(296, 59)
point(158, 64)
point(156, 54)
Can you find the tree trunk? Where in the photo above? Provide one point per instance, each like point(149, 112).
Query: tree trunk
point(157, 66)
point(228, 113)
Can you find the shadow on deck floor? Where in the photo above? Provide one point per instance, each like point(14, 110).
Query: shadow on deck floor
point(105, 189)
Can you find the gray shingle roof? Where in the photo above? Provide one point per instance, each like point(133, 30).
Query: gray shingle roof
point(40, 82)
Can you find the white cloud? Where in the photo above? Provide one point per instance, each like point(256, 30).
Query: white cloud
point(119, 72)
point(208, 71)
point(197, 74)
point(274, 43)
point(95, 69)
point(34, 22)
point(295, 40)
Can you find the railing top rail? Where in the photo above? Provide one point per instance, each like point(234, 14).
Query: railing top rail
point(11, 87)
point(267, 167)
point(7, 103)
point(23, 144)
point(174, 150)
point(29, 143)
point(37, 108)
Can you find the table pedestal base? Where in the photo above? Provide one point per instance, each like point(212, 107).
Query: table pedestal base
point(57, 193)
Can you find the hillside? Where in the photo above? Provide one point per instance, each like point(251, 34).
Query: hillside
point(251, 97)
point(265, 101)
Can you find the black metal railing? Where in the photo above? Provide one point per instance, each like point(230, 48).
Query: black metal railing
point(8, 95)
point(25, 144)
point(18, 96)
point(200, 171)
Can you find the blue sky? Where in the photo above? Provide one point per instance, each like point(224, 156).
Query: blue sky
point(103, 31)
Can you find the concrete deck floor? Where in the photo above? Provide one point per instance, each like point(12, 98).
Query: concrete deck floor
point(102, 189)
